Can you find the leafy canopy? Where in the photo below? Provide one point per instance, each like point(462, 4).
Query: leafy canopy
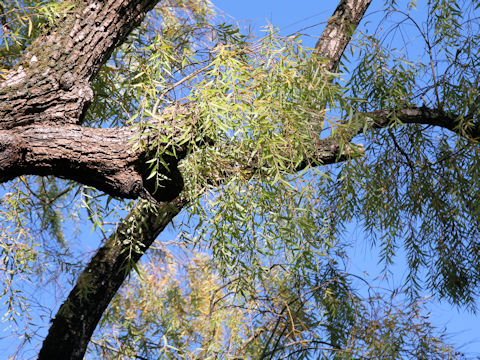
point(250, 113)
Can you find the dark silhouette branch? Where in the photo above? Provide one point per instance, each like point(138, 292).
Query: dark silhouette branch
point(78, 316)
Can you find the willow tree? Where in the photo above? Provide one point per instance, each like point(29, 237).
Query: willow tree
point(257, 139)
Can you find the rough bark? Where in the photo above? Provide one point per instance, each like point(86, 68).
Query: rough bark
point(52, 82)
point(102, 158)
point(339, 30)
point(78, 316)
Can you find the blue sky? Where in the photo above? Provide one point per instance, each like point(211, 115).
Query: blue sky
point(463, 327)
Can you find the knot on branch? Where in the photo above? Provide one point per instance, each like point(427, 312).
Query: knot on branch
point(11, 155)
point(66, 81)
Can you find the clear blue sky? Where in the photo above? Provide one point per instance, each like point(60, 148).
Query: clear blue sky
point(463, 327)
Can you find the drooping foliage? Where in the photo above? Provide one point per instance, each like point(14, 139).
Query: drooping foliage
point(416, 190)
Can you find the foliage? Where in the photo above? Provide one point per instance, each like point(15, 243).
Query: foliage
point(177, 307)
point(260, 106)
point(417, 188)
point(21, 22)
point(265, 214)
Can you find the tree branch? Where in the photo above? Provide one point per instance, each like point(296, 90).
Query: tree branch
point(460, 125)
point(102, 158)
point(339, 30)
point(78, 316)
point(52, 82)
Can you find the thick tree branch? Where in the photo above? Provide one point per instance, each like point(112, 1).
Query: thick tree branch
point(52, 82)
point(102, 158)
point(78, 316)
point(339, 30)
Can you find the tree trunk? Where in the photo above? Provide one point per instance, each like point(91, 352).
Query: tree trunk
point(79, 315)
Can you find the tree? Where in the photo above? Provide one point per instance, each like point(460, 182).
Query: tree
point(183, 112)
